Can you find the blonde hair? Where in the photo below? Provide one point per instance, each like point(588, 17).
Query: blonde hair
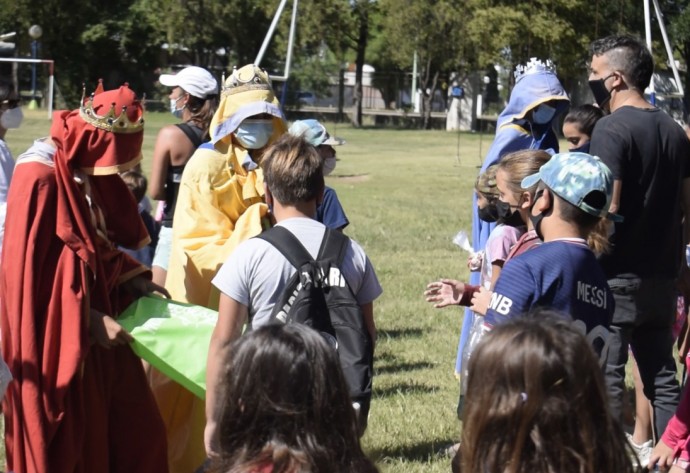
point(598, 238)
point(293, 170)
point(519, 165)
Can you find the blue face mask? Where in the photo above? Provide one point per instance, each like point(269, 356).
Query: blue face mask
point(254, 134)
point(543, 114)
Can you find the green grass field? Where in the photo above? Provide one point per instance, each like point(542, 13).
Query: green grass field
point(406, 193)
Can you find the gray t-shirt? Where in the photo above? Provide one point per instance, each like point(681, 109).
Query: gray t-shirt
point(256, 273)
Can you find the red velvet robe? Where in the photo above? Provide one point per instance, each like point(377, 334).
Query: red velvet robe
point(73, 406)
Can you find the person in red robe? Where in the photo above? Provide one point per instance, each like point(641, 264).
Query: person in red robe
point(80, 402)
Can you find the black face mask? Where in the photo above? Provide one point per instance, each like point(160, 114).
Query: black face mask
point(536, 219)
point(507, 215)
point(602, 95)
point(580, 149)
point(488, 214)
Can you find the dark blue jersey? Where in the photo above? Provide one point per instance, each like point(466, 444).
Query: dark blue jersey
point(330, 212)
point(563, 275)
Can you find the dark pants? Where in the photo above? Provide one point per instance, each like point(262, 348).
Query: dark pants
point(644, 316)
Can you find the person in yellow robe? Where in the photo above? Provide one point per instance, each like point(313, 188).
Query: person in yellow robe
point(219, 205)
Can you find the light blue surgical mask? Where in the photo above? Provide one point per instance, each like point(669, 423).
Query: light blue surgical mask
point(543, 114)
point(254, 134)
point(177, 112)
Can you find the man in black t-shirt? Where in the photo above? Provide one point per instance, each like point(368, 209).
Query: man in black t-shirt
point(648, 154)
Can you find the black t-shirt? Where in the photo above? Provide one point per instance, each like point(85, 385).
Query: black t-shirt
point(648, 152)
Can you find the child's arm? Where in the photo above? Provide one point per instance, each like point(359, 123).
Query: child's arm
point(481, 298)
point(496, 267)
point(232, 315)
point(368, 315)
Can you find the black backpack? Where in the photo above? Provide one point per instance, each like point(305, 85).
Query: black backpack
point(318, 295)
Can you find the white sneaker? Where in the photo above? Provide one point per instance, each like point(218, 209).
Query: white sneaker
point(642, 452)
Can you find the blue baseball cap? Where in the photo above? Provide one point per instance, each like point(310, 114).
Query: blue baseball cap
point(573, 177)
point(314, 133)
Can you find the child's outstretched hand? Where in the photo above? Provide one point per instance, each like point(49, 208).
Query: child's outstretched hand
point(444, 292)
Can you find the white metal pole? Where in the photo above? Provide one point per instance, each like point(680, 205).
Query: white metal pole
point(291, 39)
point(269, 34)
point(667, 44)
point(413, 91)
point(648, 37)
point(51, 90)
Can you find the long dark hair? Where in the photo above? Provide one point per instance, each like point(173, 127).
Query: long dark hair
point(584, 117)
point(287, 406)
point(536, 402)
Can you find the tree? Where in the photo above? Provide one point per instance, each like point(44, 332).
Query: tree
point(123, 40)
point(432, 29)
point(679, 31)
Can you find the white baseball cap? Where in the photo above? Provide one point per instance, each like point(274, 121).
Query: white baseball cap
point(197, 81)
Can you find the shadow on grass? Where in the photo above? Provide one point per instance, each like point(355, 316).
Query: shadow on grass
point(402, 367)
point(401, 333)
point(418, 452)
point(403, 389)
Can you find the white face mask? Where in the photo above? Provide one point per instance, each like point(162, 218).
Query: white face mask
point(11, 118)
point(329, 165)
point(254, 134)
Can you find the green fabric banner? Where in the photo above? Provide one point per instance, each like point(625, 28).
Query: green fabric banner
point(173, 337)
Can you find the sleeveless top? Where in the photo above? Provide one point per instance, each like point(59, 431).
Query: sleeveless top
point(174, 175)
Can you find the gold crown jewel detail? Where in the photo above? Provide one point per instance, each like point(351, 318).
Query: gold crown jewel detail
point(534, 66)
point(247, 78)
point(110, 121)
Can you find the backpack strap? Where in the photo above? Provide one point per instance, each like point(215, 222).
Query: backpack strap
point(334, 245)
point(284, 241)
point(194, 136)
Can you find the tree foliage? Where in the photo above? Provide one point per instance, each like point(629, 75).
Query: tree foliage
point(132, 39)
point(434, 31)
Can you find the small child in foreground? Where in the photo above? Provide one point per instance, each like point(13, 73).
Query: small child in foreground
point(537, 402)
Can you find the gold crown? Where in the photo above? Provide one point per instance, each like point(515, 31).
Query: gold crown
point(249, 77)
point(110, 121)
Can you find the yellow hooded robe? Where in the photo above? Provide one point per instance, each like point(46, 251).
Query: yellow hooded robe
point(220, 204)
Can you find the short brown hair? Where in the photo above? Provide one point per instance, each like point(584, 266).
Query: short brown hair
point(136, 182)
point(293, 170)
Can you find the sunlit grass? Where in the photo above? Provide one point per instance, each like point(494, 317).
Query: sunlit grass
point(406, 193)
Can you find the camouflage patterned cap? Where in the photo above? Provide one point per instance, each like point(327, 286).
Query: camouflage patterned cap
point(575, 177)
point(486, 182)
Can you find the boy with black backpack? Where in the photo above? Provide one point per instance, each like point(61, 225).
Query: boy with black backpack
point(256, 287)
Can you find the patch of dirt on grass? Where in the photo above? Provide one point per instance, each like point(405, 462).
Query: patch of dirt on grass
point(351, 178)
